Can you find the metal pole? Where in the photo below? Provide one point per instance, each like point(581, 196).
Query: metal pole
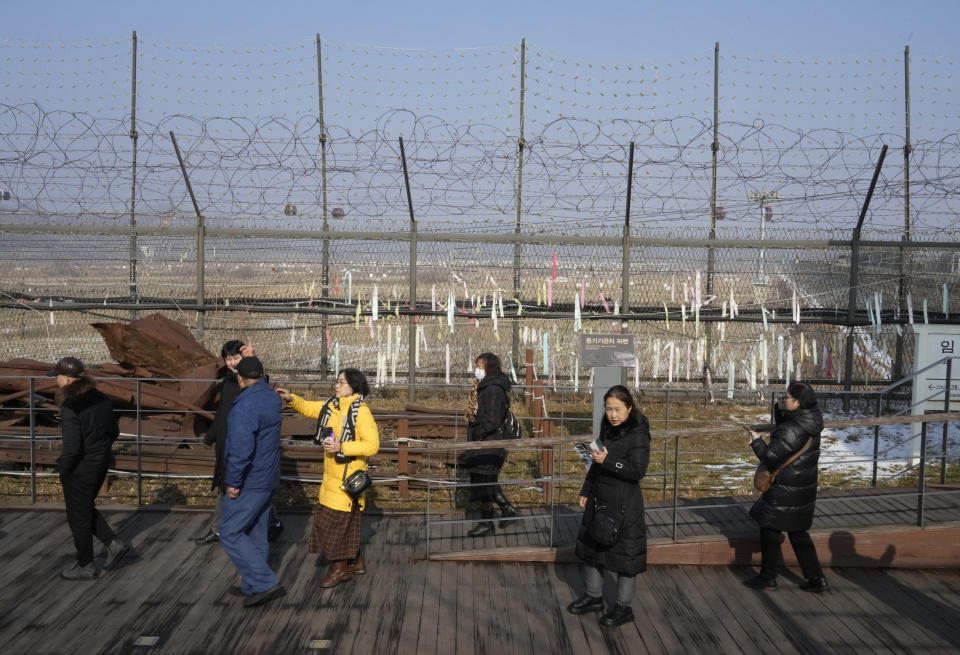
point(412, 271)
point(763, 236)
point(520, 145)
point(711, 254)
point(325, 271)
point(946, 426)
point(854, 282)
point(897, 371)
point(876, 441)
point(427, 526)
point(134, 293)
point(676, 484)
point(139, 447)
point(553, 489)
point(625, 266)
point(625, 251)
point(201, 231)
point(33, 444)
point(922, 478)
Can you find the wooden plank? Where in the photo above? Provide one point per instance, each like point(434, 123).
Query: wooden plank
point(449, 613)
point(556, 579)
point(415, 583)
point(463, 629)
point(120, 589)
point(718, 616)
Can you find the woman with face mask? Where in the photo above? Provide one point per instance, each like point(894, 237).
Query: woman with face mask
point(486, 410)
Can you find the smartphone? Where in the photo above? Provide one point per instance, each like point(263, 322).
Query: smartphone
point(325, 435)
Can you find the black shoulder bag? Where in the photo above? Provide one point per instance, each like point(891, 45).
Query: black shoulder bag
point(356, 484)
point(607, 523)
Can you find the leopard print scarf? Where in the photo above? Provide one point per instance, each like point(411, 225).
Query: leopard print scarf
point(471, 411)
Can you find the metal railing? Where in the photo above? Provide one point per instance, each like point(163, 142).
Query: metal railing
point(669, 477)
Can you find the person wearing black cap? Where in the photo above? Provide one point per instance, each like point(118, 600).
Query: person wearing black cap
point(252, 477)
point(89, 429)
point(231, 353)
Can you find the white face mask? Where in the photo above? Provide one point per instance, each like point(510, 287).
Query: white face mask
point(479, 373)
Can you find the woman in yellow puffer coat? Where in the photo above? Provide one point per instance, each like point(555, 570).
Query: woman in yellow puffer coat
point(354, 438)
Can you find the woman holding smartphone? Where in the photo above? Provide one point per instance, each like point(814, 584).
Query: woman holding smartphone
point(610, 496)
point(349, 435)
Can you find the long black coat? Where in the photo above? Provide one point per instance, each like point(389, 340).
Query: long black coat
point(217, 434)
point(89, 428)
point(492, 407)
point(789, 503)
point(617, 482)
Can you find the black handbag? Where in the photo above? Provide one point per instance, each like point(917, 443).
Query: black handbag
point(606, 525)
point(510, 428)
point(356, 484)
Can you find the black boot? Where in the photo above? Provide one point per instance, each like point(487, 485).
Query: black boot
point(485, 527)
point(586, 603)
point(507, 511)
point(619, 615)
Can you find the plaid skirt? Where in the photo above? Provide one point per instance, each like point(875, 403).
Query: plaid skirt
point(334, 533)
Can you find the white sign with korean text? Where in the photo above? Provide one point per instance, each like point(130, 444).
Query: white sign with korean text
point(932, 344)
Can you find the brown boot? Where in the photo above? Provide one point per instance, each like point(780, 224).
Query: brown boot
point(358, 566)
point(338, 572)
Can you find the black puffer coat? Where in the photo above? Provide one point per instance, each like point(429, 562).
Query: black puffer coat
point(788, 504)
point(492, 407)
point(217, 434)
point(617, 481)
point(89, 428)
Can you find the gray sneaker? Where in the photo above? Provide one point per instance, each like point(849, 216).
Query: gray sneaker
point(116, 550)
point(77, 572)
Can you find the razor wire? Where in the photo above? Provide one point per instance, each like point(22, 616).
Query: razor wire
point(259, 153)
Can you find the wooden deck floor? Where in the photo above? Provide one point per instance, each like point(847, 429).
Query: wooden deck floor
point(177, 592)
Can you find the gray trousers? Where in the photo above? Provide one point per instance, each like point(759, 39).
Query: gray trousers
point(626, 585)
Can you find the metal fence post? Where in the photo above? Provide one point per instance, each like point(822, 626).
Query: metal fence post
point(876, 441)
point(946, 424)
point(922, 477)
point(676, 483)
point(711, 253)
point(625, 255)
point(855, 282)
point(901, 254)
point(521, 143)
point(412, 281)
point(201, 235)
point(139, 451)
point(325, 274)
point(33, 445)
point(553, 489)
point(134, 293)
point(429, 485)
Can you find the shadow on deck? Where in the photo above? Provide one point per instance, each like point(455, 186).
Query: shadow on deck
point(178, 592)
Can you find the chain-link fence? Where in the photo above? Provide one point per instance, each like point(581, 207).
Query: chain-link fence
point(744, 178)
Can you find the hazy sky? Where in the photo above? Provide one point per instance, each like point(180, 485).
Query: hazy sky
point(814, 65)
point(583, 29)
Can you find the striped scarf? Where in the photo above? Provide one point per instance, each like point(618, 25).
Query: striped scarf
point(347, 433)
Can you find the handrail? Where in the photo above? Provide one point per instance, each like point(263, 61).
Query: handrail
point(903, 380)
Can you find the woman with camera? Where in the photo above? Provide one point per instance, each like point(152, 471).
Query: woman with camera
point(348, 434)
point(613, 533)
point(792, 456)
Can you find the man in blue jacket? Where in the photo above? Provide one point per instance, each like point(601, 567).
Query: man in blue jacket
point(252, 476)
